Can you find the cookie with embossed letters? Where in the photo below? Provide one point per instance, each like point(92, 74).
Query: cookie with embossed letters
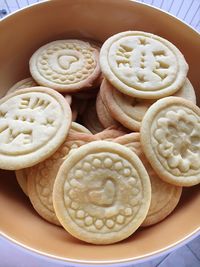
point(102, 193)
point(21, 176)
point(170, 138)
point(25, 83)
point(66, 65)
point(165, 196)
point(33, 124)
point(41, 177)
point(143, 65)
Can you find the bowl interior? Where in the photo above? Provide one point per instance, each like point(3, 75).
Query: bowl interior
point(24, 32)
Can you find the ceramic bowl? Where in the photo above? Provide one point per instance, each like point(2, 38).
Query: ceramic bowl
point(21, 34)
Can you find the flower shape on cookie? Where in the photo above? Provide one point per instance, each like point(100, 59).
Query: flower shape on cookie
point(66, 65)
point(101, 193)
point(143, 65)
point(170, 137)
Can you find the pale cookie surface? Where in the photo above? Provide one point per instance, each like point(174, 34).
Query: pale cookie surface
point(21, 176)
point(25, 83)
point(127, 110)
point(187, 91)
point(77, 127)
point(104, 114)
point(66, 65)
point(110, 133)
point(143, 65)
point(164, 197)
point(170, 138)
point(41, 177)
point(102, 193)
point(33, 124)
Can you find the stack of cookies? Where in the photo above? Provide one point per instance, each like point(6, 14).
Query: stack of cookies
point(102, 139)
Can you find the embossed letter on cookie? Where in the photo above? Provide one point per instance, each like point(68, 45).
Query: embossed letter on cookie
point(170, 137)
point(143, 65)
point(102, 193)
point(33, 124)
point(66, 65)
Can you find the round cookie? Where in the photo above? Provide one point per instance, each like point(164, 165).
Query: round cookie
point(170, 138)
point(187, 91)
point(90, 119)
point(68, 98)
point(164, 197)
point(102, 193)
point(25, 83)
point(110, 133)
point(143, 65)
point(41, 177)
point(125, 109)
point(66, 65)
point(34, 122)
point(77, 127)
point(103, 113)
point(21, 176)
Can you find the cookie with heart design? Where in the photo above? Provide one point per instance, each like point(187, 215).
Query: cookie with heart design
point(102, 193)
point(143, 65)
point(164, 197)
point(170, 138)
point(66, 65)
point(41, 177)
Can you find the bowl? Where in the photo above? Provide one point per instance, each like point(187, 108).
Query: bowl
point(21, 34)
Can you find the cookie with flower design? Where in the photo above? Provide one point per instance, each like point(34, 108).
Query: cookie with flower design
point(170, 138)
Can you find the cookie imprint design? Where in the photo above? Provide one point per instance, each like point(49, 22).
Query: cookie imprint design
point(25, 117)
point(101, 201)
point(66, 62)
point(140, 61)
point(177, 140)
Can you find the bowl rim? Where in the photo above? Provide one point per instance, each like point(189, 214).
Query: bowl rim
point(122, 262)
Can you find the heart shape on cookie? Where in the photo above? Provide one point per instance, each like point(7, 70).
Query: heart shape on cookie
point(103, 196)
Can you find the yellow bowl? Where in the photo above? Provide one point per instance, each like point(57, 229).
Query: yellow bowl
point(21, 34)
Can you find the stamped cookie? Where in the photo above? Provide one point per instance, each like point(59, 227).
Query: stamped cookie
point(33, 124)
point(102, 193)
point(143, 65)
point(26, 83)
point(127, 110)
point(21, 176)
point(165, 196)
point(170, 138)
point(104, 114)
point(90, 119)
point(187, 91)
point(41, 177)
point(77, 127)
point(66, 65)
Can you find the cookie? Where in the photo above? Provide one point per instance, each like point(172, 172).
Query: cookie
point(110, 133)
point(21, 176)
point(164, 197)
point(143, 65)
point(77, 127)
point(170, 138)
point(103, 113)
point(41, 177)
point(66, 65)
point(187, 91)
point(33, 124)
point(125, 109)
point(90, 119)
point(68, 98)
point(25, 83)
point(102, 193)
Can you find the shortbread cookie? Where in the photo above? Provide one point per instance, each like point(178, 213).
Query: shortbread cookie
point(164, 197)
point(66, 65)
point(41, 177)
point(68, 98)
point(110, 133)
point(21, 176)
point(26, 83)
point(90, 119)
point(33, 124)
point(187, 91)
point(77, 127)
point(125, 109)
point(103, 113)
point(143, 65)
point(102, 193)
point(170, 138)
